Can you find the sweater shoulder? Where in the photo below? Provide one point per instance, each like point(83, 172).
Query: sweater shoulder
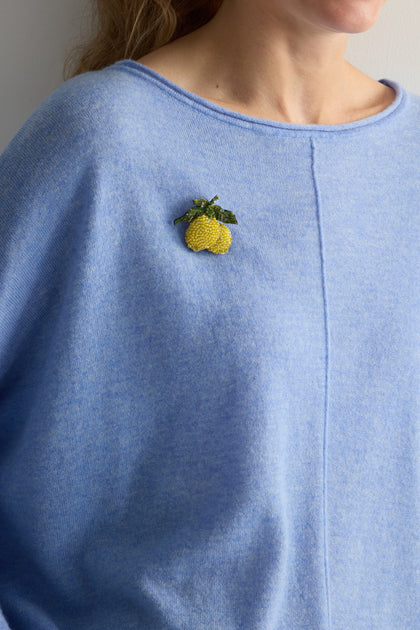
point(413, 112)
point(95, 109)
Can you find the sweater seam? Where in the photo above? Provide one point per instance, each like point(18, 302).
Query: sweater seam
point(326, 380)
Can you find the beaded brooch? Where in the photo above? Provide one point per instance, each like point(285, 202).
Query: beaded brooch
point(205, 231)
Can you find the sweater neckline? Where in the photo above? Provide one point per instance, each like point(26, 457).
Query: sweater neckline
point(232, 116)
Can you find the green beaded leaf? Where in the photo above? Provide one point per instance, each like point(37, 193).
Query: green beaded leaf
point(191, 214)
point(200, 202)
point(225, 215)
point(210, 209)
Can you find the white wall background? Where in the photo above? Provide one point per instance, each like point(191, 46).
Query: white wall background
point(35, 36)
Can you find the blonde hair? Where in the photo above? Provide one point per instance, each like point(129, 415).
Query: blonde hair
point(129, 29)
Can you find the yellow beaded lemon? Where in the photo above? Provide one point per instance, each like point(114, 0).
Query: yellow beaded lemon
point(205, 231)
point(223, 242)
point(202, 232)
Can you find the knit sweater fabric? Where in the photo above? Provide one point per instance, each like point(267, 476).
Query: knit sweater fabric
point(200, 441)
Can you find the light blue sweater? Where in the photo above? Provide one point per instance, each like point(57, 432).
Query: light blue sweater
point(200, 441)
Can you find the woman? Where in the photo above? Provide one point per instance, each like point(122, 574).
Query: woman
point(209, 348)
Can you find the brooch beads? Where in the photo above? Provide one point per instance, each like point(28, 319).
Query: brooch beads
point(205, 231)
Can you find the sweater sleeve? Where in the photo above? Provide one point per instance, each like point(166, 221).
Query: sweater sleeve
point(3, 623)
point(44, 172)
point(43, 175)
